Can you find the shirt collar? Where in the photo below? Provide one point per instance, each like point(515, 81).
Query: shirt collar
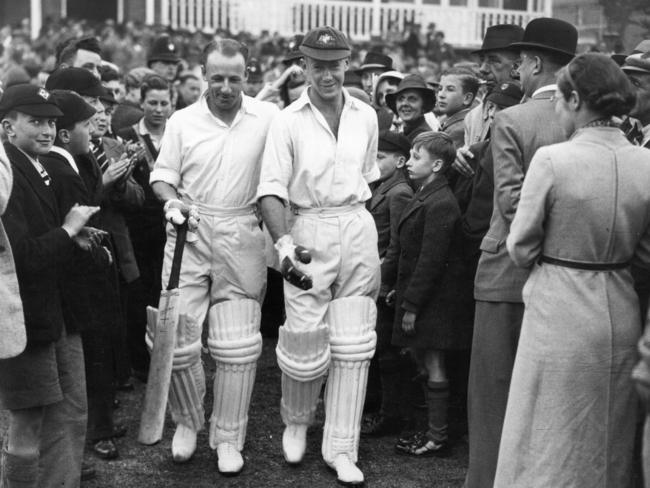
point(248, 105)
point(348, 100)
point(68, 157)
point(646, 134)
point(142, 129)
point(545, 88)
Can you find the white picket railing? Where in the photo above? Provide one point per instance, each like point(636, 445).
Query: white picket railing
point(360, 20)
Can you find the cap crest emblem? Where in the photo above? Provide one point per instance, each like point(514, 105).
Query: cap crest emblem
point(43, 94)
point(325, 39)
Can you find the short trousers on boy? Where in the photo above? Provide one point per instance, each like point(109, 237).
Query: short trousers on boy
point(31, 379)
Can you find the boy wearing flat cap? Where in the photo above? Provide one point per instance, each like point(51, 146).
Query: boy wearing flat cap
point(331, 282)
point(389, 198)
point(44, 387)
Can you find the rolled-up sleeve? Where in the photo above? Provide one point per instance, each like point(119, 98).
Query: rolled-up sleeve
point(277, 162)
point(526, 236)
point(370, 168)
point(168, 163)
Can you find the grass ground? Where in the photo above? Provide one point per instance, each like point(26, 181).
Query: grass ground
point(151, 466)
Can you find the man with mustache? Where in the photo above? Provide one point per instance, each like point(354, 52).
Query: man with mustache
point(319, 158)
point(208, 166)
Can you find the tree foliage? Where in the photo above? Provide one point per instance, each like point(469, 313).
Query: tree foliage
point(619, 13)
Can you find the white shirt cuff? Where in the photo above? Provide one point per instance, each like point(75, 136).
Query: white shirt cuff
point(372, 176)
point(165, 175)
point(271, 188)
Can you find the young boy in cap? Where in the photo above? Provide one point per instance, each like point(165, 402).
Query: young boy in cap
point(389, 198)
point(330, 314)
point(44, 387)
point(90, 294)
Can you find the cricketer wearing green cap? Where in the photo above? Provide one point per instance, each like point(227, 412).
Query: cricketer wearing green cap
point(330, 282)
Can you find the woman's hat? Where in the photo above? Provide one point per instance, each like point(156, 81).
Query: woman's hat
point(639, 60)
point(548, 34)
point(500, 36)
point(375, 61)
point(413, 82)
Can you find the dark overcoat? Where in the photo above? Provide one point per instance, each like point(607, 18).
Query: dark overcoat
point(429, 276)
point(386, 205)
point(40, 245)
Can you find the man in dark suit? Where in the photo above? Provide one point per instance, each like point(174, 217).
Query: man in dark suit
point(547, 45)
point(43, 388)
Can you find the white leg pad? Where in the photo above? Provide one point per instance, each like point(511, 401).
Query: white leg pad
point(351, 324)
point(235, 343)
point(187, 389)
point(303, 357)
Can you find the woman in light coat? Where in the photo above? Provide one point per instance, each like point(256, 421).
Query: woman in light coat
point(583, 216)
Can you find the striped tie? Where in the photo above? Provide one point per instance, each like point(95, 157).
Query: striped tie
point(100, 155)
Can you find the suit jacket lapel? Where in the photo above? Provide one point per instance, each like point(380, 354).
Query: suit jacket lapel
point(384, 187)
point(26, 168)
point(421, 196)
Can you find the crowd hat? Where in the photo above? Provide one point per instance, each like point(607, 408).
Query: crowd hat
point(107, 97)
point(375, 61)
point(639, 60)
point(413, 82)
point(325, 44)
point(547, 34)
point(393, 142)
point(506, 95)
point(74, 108)
point(500, 36)
point(293, 49)
point(255, 74)
point(352, 78)
point(29, 99)
point(78, 80)
point(163, 49)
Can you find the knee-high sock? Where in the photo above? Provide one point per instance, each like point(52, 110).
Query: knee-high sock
point(437, 395)
point(187, 388)
point(303, 357)
point(351, 324)
point(235, 343)
point(19, 471)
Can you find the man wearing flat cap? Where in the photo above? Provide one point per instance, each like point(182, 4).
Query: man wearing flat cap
point(331, 282)
point(547, 45)
point(43, 388)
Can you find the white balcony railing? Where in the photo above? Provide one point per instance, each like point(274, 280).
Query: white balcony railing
point(464, 26)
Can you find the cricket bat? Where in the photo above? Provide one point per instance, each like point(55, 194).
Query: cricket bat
point(152, 420)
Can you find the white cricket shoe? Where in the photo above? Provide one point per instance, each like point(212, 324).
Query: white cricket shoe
point(230, 461)
point(294, 442)
point(347, 473)
point(183, 444)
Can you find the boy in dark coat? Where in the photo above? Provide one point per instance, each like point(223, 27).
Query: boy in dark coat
point(44, 387)
point(389, 198)
point(430, 316)
point(90, 293)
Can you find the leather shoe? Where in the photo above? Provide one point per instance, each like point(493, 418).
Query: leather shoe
point(105, 449)
point(87, 471)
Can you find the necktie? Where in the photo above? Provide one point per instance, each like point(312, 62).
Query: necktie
point(100, 155)
point(43, 173)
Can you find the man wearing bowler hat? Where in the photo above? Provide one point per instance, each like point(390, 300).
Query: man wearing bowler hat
point(497, 65)
point(331, 282)
point(373, 65)
point(547, 45)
